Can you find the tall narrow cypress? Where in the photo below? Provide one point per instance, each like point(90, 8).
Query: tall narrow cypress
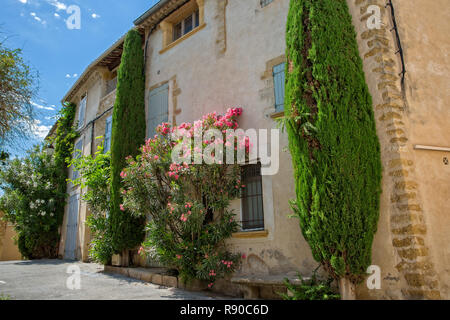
point(332, 138)
point(128, 134)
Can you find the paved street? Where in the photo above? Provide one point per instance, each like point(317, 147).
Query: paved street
point(46, 279)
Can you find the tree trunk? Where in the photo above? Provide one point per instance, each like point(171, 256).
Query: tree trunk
point(125, 258)
point(347, 289)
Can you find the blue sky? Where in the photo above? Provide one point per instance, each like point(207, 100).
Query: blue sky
point(59, 54)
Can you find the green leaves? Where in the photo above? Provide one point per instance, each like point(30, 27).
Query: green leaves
point(310, 289)
point(332, 137)
point(128, 134)
point(32, 202)
point(18, 86)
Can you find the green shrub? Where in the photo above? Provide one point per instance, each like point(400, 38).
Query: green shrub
point(4, 297)
point(31, 201)
point(332, 137)
point(128, 134)
point(310, 289)
point(187, 204)
point(95, 178)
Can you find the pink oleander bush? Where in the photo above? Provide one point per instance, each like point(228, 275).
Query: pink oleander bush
point(187, 204)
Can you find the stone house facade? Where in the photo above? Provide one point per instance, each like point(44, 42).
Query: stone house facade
point(208, 55)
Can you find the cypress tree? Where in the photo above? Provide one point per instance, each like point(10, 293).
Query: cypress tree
point(332, 138)
point(128, 134)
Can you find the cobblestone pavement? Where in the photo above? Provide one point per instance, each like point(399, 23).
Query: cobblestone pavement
point(46, 279)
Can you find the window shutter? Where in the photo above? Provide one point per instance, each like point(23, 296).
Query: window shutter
point(77, 154)
point(278, 81)
point(158, 108)
point(108, 130)
point(82, 112)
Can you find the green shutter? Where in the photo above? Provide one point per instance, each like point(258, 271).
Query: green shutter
point(278, 81)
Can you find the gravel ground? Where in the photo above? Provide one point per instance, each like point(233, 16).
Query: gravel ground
point(46, 280)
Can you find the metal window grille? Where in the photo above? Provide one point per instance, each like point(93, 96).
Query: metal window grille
point(278, 81)
point(265, 3)
point(252, 198)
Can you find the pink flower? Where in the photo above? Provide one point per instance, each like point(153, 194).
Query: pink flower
point(210, 285)
point(156, 157)
point(179, 256)
point(122, 208)
point(123, 174)
point(244, 256)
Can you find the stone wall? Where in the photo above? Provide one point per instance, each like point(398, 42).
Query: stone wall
point(405, 247)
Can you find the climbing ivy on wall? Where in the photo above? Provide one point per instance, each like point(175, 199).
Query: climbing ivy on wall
point(128, 134)
point(332, 137)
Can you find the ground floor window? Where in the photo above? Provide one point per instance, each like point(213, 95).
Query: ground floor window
point(252, 198)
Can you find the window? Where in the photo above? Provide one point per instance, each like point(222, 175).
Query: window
point(252, 198)
point(278, 81)
point(108, 130)
point(158, 108)
point(186, 25)
point(82, 112)
point(265, 3)
point(111, 85)
point(77, 154)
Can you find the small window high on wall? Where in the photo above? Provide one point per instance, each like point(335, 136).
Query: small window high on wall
point(186, 25)
point(252, 198)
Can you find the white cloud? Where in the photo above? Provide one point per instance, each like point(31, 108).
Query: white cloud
point(23, 1)
point(95, 16)
point(40, 130)
point(33, 14)
point(68, 76)
point(58, 5)
point(42, 107)
point(56, 15)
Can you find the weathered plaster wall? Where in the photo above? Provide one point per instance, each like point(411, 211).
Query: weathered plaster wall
point(225, 65)
point(10, 250)
point(411, 245)
point(424, 30)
